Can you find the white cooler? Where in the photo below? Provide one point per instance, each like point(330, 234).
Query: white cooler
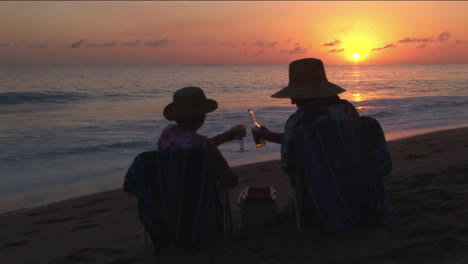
point(258, 206)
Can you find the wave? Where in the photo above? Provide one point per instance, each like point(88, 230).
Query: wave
point(15, 98)
point(10, 98)
point(82, 150)
point(381, 114)
point(441, 104)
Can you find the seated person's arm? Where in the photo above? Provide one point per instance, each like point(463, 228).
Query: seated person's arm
point(225, 175)
point(271, 136)
point(350, 110)
point(236, 132)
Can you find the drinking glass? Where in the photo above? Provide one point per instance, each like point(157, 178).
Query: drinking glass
point(241, 140)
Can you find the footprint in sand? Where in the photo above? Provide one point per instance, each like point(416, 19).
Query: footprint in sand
point(52, 221)
point(436, 151)
point(30, 232)
point(79, 227)
point(13, 244)
point(87, 255)
point(421, 179)
point(100, 211)
point(45, 212)
point(92, 202)
point(128, 260)
point(414, 156)
point(34, 214)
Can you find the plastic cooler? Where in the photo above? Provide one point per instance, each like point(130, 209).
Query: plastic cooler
point(258, 206)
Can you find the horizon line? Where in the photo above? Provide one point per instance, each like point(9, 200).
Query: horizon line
point(221, 65)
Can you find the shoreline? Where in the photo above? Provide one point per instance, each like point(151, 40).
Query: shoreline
point(395, 136)
point(428, 188)
point(407, 135)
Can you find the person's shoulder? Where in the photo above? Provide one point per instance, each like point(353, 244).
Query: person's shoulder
point(169, 128)
point(344, 101)
point(200, 141)
point(349, 108)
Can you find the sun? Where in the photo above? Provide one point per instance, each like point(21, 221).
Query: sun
point(356, 56)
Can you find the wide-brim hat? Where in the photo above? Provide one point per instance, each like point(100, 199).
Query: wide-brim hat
point(187, 103)
point(307, 79)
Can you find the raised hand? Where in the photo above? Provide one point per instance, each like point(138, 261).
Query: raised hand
point(238, 131)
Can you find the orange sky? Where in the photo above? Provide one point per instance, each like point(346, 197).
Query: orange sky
point(64, 33)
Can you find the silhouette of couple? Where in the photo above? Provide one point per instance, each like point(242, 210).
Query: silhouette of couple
point(315, 97)
point(342, 191)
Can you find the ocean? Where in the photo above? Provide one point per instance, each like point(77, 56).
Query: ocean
point(71, 131)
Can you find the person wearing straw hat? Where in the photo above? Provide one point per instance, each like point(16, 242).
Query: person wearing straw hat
point(315, 97)
point(188, 109)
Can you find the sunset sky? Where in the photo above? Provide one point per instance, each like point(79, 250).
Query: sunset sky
point(124, 33)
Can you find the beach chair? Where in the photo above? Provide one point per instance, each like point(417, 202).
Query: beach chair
point(339, 174)
point(180, 203)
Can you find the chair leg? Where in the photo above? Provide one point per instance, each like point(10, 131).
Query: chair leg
point(145, 239)
point(224, 215)
point(226, 212)
point(298, 212)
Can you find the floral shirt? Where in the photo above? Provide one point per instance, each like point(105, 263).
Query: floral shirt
point(174, 137)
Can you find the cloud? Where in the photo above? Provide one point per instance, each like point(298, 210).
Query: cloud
point(102, 45)
point(296, 50)
point(412, 40)
point(263, 44)
point(215, 43)
point(205, 43)
point(158, 43)
point(288, 40)
point(336, 42)
point(4, 44)
point(78, 44)
point(388, 46)
point(444, 36)
point(461, 41)
point(421, 46)
point(336, 50)
point(135, 43)
point(39, 45)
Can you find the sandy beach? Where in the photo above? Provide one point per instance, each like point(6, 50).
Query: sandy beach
point(428, 187)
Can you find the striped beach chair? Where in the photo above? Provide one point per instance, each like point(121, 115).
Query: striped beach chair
point(339, 174)
point(180, 203)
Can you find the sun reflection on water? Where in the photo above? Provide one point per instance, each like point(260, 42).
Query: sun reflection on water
point(357, 97)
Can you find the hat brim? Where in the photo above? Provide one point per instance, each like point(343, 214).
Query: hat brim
point(323, 89)
point(172, 113)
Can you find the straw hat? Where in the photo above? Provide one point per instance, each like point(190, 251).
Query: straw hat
point(307, 79)
point(187, 103)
